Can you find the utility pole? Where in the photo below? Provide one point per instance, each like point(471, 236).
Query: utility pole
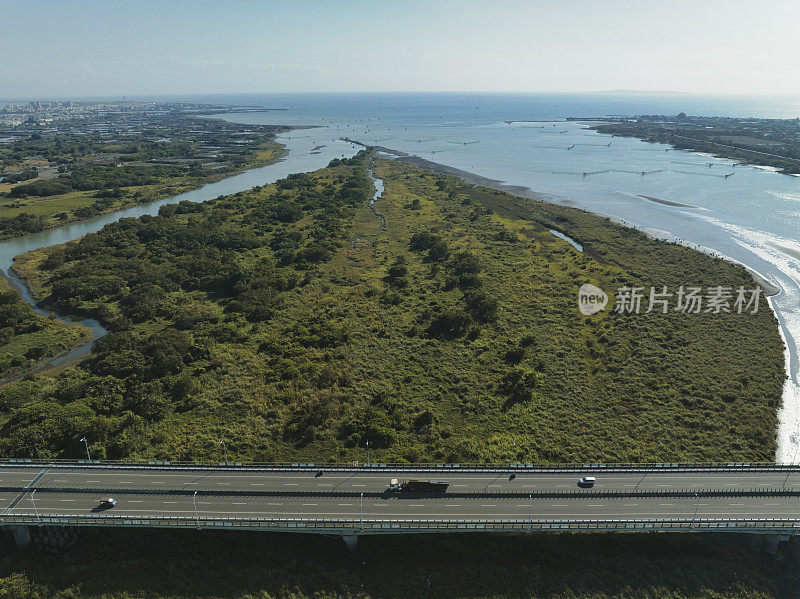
point(196, 516)
point(36, 511)
point(225, 447)
point(86, 444)
point(368, 460)
point(362, 511)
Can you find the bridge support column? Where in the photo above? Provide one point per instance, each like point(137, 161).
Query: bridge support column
point(351, 541)
point(22, 536)
point(772, 542)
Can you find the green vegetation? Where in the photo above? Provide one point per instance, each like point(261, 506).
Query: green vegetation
point(27, 338)
point(79, 169)
point(768, 142)
point(289, 322)
point(154, 564)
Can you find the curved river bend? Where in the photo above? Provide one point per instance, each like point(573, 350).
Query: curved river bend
point(299, 143)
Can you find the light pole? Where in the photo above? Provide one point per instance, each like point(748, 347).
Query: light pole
point(368, 460)
point(86, 443)
point(36, 511)
point(196, 516)
point(789, 471)
point(224, 447)
point(696, 505)
point(530, 512)
point(362, 511)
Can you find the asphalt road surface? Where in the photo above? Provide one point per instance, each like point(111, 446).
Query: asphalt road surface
point(230, 492)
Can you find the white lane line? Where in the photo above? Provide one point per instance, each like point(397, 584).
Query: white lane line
point(452, 505)
point(223, 483)
point(595, 505)
point(359, 485)
point(134, 501)
point(92, 481)
point(126, 482)
point(256, 484)
point(630, 504)
point(416, 505)
point(488, 505)
point(737, 504)
point(309, 504)
point(66, 500)
point(345, 504)
point(559, 505)
point(290, 484)
point(240, 503)
point(170, 502)
point(325, 485)
point(273, 504)
point(665, 504)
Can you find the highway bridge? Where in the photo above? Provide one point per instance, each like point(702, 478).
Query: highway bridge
point(352, 500)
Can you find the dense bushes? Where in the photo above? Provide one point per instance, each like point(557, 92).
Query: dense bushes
point(452, 335)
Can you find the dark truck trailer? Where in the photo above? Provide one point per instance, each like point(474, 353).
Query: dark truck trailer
point(423, 486)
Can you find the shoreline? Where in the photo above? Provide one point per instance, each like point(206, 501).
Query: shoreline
point(771, 289)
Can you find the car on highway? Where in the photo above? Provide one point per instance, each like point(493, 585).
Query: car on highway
point(586, 482)
point(107, 504)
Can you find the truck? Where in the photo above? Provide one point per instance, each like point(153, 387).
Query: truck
point(415, 485)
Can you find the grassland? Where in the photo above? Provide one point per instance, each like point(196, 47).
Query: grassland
point(290, 321)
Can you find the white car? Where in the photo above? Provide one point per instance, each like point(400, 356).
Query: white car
point(107, 504)
point(586, 481)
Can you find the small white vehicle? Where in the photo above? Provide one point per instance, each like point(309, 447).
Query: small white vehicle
point(107, 504)
point(394, 485)
point(586, 481)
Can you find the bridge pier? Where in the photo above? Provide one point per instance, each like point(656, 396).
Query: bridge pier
point(22, 536)
point(350, 541)
point(772, 541)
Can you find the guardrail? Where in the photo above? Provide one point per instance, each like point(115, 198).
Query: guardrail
point(397, 467)
point(568, 494)
point(384, 526)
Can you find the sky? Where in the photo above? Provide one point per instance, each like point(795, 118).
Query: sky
point(140, 47)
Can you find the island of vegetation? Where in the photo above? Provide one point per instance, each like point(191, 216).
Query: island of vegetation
point(765, 142)
point(75, 168)
point(300, 320)
point(292, 322)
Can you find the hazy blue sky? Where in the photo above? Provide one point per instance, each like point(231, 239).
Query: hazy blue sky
point(91, 47)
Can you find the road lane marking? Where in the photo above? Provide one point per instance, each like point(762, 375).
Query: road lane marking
point(416, 505)
point(126, 482)
point(630, 504)
point(66, 500)
point(345, 504)
point(290, 484)
point(309, 504)
point(665, 504)
point(256, 484)
point(240, 503)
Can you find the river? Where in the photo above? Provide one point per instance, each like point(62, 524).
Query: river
point(303, 155)
point(750, 217)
